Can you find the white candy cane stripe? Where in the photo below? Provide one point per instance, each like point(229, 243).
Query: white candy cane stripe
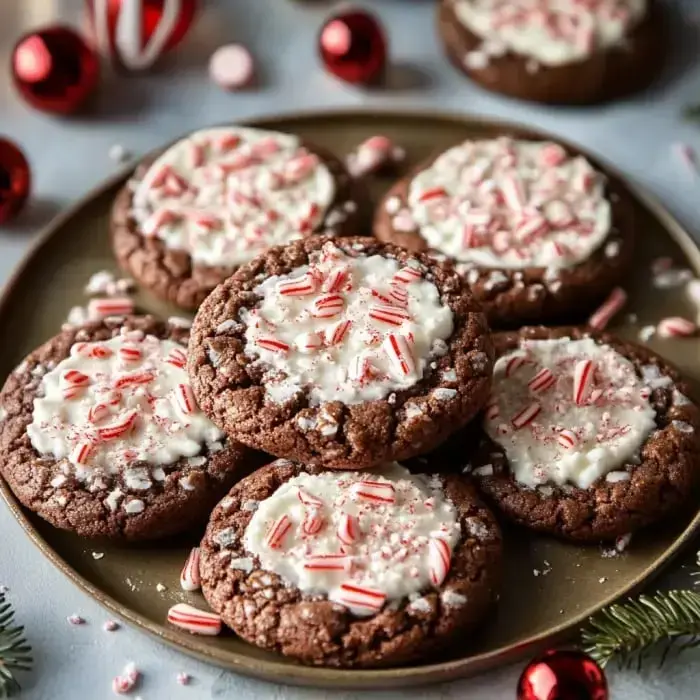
point(526, 416)
point(328, 305)
point(177, 358)
point(676, 327)
point(272, 344)
point(360, 598)
point(391, 315)
point(313, 522)
point(116, 430)
point(584, 370)
point(513, 193)
point(335, 333)
point(336, 279)
point(348, 529)
point(194, 620)
point(81, 452)
point(302, 286)
point(327, 562)
point(278, 531)
point(439, 559)
point(407, 274)
point(130, 353)
point(567, 439)
point(309, 342)
point(184, 398)
point(97, 413)
point(95, 351)
point(514, 363)
point(374, 491)
point(308, 499)
point(360, 368)
point(613, 304)
point(398, 349)
point(133, 379)
point(542, 381)
point(101, 308)
point(190, 579)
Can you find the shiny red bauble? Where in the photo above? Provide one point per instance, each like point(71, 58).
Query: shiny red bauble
point(54, 70)
point(563, 675)
point(15, 180)
point(353, 47)
point(135, 33)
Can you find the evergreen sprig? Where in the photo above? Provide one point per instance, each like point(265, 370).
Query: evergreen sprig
point(628, 631)
point(14, 650)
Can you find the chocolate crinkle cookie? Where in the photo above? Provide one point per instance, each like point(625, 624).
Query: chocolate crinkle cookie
point(100, 433)
point(556, 51)
point(351, 569)
point(539, 234)
point(217, 198)
point(344, 353)
point(586, 436)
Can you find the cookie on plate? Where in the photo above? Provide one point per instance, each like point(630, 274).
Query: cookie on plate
point(344, 353)
point(557, 52)
point(587, 436)
point(217, 198)
point(539, 234)
point(350, 569)
point(100, 434)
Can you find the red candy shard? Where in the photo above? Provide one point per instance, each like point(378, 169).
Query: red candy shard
point(327, 562)
point(360, 597)
point(190, 579)
point(348, 529)
point(278, 531)
point(439, 560)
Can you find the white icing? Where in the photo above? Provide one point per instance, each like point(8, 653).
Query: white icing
point(607, 428)
point(552, 32)
point(264, 191)
point(161, 432)
point(560, 217)
point(328, 369)
point(391, 552)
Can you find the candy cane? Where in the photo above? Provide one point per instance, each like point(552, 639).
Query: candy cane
point(542, 381)
point(300, 166)
point(432, 194)
point(439, 559)
point(95, 351)
point(567, 439)
point(516, 362)
point(407, 274)
point(73, 377)
point(133, 379)
point(227, 142)
point(334, 334)
point(81, 452)
point(184, 398)
point(391, 315)
point(101, 308)
point(116, 430)
point(328, 305)
point(360, 598)
point(190, 579)
point(177, 358)
point(676, 327)
point(382, 298)
point(193, 620)
point(613, 304)
point(308, 499)
point(309, 342)
point(336, 279)
point(129, 353)
point(97, 413)
point(327, 562)
point(360, 368)
point(312, 523)
point(398, 295)
point(299, 287)
point(531, 227)
point(526, 416)
point(266, 146)
point(400, 354)
point(552, 154)
point(195, 154)
point(272, 344)
point(158, 219)
point(584, 371)
point(348, 529)
point(513, 192)
point(278, 531)
point(374, 491)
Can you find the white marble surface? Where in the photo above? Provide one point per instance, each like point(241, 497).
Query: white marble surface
point(70, 155)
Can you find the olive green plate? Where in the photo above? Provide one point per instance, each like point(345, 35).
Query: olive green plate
point(534, 610)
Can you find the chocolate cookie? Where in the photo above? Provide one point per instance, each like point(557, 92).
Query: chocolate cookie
point(343, 352)
point(350, 569)
point(100, 434)
point(216, 199)
point(539, 234)
point(557, 53)
point(586, 436)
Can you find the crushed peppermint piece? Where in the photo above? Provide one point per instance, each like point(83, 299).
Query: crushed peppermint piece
point(110, 626)
point(97, 555)
point(161, 588)
point(183, 678)
point(76, 620)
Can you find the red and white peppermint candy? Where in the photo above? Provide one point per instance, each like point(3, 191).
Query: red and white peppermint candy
point(432, 194)
point(515, 363)
point(309, 342)
point(584, 371)
point(676, 327)
point(308, 499)
point(272, 344)
point(360, 598)
point(552, 154)
point(327, 562)
point(567, 439)
point(439, 560)
point(204, 221)
point(81, 452)
point(492, 410)
point(336, 279)
point(95, 351)
point(399, 352)
point(336, 333)
point(300, 166)
point(398, 295)
point(513, 192)
point(130, 353)
point(278, 532)
point(133, 379)
point(122, 685)
point(391, 315)
point(360, 368)
point(190, 579)
point(231, 67)
point(115, 306)
point(531, 226)
point(328, 305)
point(194, 620)
point(542, 381)
point(526, 416)
point(177, 358)
point(614, 303)
point(299, 287)
point(161, 217)
point(348, 529)
point(313, 522)
point(97, 413)
point(407, 274)
point(184, 398)
point(118, 429)
point(73, 377)
point(374, 491)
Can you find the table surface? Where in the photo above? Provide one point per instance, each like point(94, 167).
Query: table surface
point(69, 156)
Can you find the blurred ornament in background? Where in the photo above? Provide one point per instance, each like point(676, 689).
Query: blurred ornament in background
point(135, 33)
point(562, 675)
point(15, 180)
point(54, 70)
point(353, 46)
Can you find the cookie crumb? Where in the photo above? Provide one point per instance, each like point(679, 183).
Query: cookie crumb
point(161, 588)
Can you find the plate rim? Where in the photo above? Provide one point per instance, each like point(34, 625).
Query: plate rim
point(278, 671)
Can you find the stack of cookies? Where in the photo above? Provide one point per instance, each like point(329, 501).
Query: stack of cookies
point(340, 406)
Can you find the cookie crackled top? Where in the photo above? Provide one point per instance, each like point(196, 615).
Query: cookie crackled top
point(338, 556)
point(586, 435)
point(342, 353)
point(102, 434)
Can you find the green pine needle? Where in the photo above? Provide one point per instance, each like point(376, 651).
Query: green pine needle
point(14, 651)
point(629, 630)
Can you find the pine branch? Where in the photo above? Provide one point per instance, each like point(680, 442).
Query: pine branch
point(629, 630)
point(14, 651)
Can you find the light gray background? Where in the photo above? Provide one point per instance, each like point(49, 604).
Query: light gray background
point(69, 156)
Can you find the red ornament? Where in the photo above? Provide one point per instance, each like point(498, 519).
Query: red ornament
point(353, 47)
point(135, 33)
point(563, 675)
point(15, 180)
point(54, 69)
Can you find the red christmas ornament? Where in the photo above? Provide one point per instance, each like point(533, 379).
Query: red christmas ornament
point(135, 33)
point(563, 675)
point(353, 47)
point(54, 69)
point(15, 180)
